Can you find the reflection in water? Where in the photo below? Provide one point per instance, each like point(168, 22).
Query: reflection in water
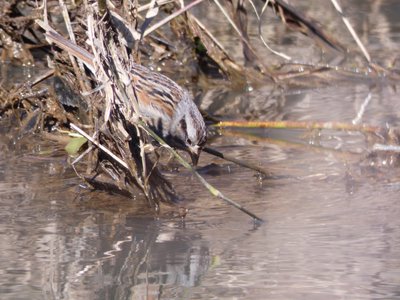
point(59, 254)
point(155, 261)
point(54, 245)
point(332, 230)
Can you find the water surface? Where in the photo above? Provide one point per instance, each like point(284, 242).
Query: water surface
point(332, 226)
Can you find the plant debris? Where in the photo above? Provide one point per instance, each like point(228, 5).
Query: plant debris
point(94, 96)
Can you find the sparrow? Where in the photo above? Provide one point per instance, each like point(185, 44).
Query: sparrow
point(164, 106)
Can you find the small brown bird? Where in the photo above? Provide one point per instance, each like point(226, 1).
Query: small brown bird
point(165, 106)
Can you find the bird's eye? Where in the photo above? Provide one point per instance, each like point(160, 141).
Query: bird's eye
point(183, 125)
point(189, 141)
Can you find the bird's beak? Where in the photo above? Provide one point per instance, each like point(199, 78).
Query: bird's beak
point(194, 154)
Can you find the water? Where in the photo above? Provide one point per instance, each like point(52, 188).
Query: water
point(331, 231)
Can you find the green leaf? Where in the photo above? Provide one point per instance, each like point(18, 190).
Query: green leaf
point(75, 144)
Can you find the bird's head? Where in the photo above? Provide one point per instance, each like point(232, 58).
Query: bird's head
point(188, 131)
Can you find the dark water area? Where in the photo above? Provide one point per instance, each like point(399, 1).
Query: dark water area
point(332, 226)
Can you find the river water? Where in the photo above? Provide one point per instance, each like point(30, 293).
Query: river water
point(331, 208)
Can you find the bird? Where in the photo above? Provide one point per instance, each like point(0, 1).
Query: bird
point(169, 110)
point(166, 107)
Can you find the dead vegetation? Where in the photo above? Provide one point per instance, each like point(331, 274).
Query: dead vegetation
point(120, 152)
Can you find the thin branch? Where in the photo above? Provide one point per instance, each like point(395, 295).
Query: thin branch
point(106, 150)
point(301, 125)
point(148, 5)
point(363, 107)
point(260, 65)
point(351, 30)
point(235, 160)
point(283, 55)
point(75, 64)
point(170, 17)
point(214, 191)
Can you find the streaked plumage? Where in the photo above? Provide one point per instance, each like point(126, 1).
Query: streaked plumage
point(166, 107)
point(169, 110)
